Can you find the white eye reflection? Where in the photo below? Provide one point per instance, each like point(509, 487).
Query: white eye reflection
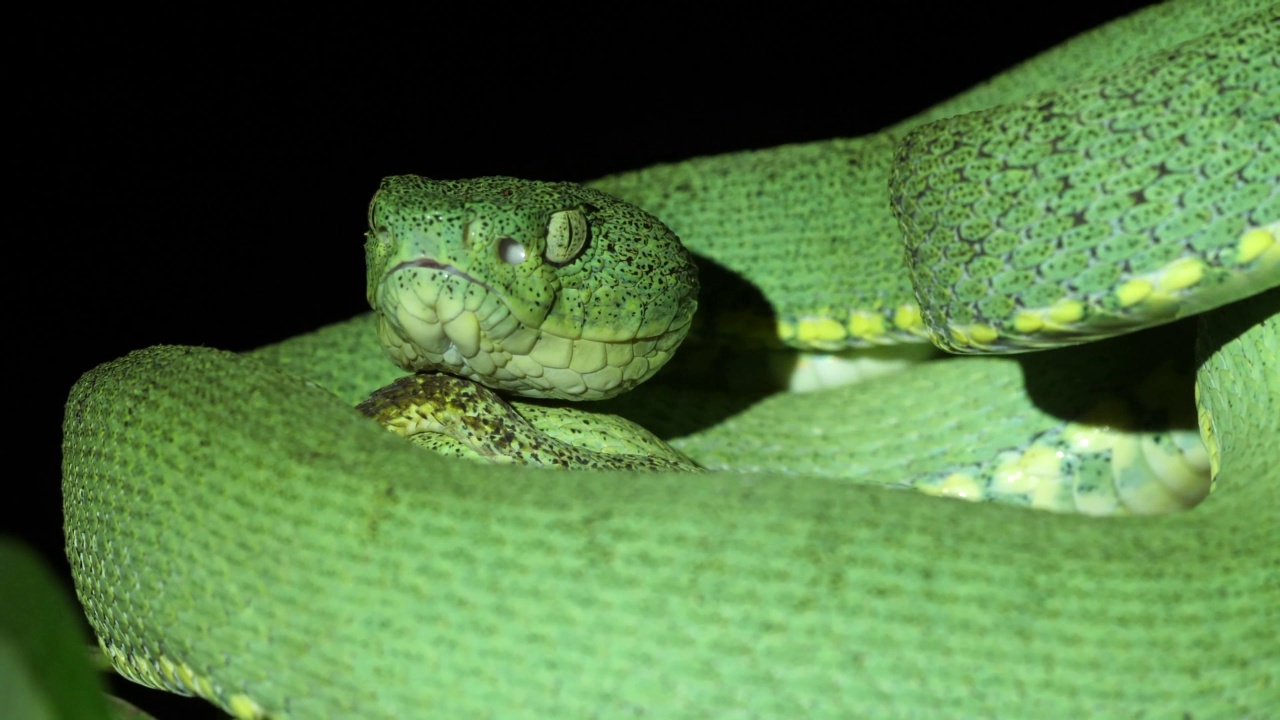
point(510, 251)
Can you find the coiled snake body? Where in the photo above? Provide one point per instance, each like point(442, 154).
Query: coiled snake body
point(236, 531)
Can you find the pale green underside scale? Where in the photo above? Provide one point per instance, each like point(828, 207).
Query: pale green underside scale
point(238, 531)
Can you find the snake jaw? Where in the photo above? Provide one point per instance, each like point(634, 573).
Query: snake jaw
point(433, 264)
point(454, 325)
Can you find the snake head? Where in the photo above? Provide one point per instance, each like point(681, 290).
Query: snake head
point(540, 289)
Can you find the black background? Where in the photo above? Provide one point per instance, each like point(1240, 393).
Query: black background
point(203, 180)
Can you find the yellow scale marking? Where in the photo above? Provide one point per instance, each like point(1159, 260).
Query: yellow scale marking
point(1134, 291)
point(1260, 244)
point(867, 325)
point(819, 330)
point(907, 317)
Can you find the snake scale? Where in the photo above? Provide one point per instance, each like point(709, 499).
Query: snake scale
point(237, 531)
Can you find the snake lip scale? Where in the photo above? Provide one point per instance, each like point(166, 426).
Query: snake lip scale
point(432, 264)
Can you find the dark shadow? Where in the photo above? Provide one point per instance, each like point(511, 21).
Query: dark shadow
point(1142, 381)
point(1228, 326)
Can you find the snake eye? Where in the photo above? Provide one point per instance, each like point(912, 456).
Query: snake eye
point(567, 234)
point(510, 251)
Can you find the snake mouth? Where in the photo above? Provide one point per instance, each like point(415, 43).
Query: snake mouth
point(432, 264)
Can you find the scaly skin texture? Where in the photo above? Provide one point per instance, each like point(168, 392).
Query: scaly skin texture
point(1147, 195)
point(381, 581)
point(1127, 446)
point(784, 216)
point(460, 418)
point(542, 289)
point(237, 530)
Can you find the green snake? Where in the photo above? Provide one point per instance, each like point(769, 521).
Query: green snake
point(237, 531)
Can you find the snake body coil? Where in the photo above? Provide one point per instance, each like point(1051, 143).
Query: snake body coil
point(237, 531)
